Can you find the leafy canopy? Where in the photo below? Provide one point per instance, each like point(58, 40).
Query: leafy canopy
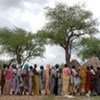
point(89, 47)
point(20, 43)
point(66, 25)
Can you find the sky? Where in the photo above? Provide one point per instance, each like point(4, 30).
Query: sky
point(30, 15)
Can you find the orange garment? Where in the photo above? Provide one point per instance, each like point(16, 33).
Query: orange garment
point(66, 76)
point(47, 71)
point(82, 74)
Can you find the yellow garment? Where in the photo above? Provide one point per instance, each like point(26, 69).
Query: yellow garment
point(65, 84)
point(82, 74)
point(36, 85)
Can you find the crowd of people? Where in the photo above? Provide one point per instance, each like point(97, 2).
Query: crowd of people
point(55, 80)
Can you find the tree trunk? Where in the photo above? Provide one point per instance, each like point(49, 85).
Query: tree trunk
point(67, 57)
point(19, 59)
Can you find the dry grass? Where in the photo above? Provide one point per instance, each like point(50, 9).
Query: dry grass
point(32, 98)
point(45, 98)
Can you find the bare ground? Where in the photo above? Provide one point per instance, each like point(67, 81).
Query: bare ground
point(46, 98)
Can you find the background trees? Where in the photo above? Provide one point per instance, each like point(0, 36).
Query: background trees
point(20, 44)
point(89, 47)
point(66, 24)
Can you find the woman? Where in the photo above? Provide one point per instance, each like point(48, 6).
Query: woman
point(59, 75)
point(75, 80)
point(25, 78)
point(36, 81)
point(88, 79)
point(30, 80)
point(66, 76)
point(82, 74)
point(41, 79)
point(47, 86)
point(8, 76)
point(93, 82)
point(3, 78)
point(98, 81)
point(14, 79)
point(53, 77)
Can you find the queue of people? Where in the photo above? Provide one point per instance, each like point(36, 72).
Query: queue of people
point(55, 80)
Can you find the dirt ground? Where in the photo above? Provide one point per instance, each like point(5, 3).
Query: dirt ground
point(46, 98)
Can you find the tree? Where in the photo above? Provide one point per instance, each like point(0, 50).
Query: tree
point(66, 24)
point(89, 47)
point(20, 44)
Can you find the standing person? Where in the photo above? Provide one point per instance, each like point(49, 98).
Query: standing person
point(36, 81)
point(76, 84)
point(75, 80)
point(66, 75)
point(41, 79)
point(47, 86)
point(59, 75)
point(92, 82)
point(30, 80)
point(14, 79)
point(8, 75)
point(25, 78)
point(19, 89)
point(3, 77)
point(56, 80)
point(82, 74)
point(98, 81)
point(53, 76)
point(88, 79)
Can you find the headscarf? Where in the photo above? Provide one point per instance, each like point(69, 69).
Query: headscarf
point(26, 66)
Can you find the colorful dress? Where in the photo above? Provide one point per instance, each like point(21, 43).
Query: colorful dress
point(98, 82)
point(36, 83)
point(82, 74)
point(53, 76)
point(88, 79)
point(19, 88)
point(2, 83)
point(30, 81)
point(41, 79)
point(59, 75)
point(25, 80)
point(14, 81)
point(7, 86)
point(47, 86)
point(66, 76)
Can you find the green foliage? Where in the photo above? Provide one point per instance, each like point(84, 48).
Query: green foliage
point(89, 47)
point(20, 43)
point(66, 24)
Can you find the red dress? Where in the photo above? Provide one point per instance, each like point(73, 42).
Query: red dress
point(88, 79)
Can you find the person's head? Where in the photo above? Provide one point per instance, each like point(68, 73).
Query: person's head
point(41, 67)
point(88, 68)
point(31, 67)
point(8, 66)
point(73, 67)
point(98, 68)
point(14, 66)
point(91, 67)
point(56, 66)
point(19, 66)
point(26, 66)
point(35, 65)
point(66, 65)
point(4, 66)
